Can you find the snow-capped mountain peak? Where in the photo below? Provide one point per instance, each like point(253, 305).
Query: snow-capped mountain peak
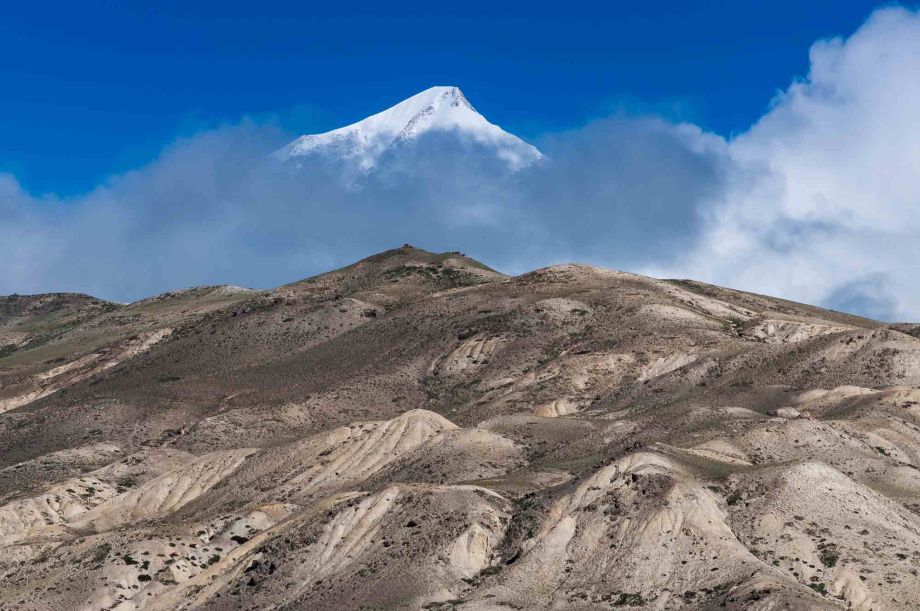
point(443, 109)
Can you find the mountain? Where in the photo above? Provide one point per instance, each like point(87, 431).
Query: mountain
point(419, 431)
point(438, 110)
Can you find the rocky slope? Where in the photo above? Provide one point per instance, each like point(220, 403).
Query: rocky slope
point(419, 431)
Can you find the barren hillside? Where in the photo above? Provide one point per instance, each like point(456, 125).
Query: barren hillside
point(419, 431)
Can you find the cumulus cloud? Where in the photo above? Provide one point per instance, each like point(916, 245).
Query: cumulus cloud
point(823, 200)
point(818, 201)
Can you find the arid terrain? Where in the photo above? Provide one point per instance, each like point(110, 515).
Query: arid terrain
point(418, 431)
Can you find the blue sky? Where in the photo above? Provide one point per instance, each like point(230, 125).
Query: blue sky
point(771, 147)
point(94, 89)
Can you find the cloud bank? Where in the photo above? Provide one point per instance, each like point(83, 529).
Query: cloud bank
point(818, 201)
point(216, 209)
point(823, 202)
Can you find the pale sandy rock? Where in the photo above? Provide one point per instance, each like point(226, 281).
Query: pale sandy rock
point(664, 365)
point(789, 332)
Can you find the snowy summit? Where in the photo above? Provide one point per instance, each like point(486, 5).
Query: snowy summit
point(443, 109)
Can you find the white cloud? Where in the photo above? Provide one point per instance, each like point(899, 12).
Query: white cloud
point(824, 190)
point(819, 201)
point(214, 209)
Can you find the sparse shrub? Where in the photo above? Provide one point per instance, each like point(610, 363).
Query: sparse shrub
point(630, 599)
point(820, 588)
point(829, 556)
point(490, 570)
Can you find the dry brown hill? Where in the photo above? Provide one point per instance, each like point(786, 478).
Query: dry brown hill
point(417, 431)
